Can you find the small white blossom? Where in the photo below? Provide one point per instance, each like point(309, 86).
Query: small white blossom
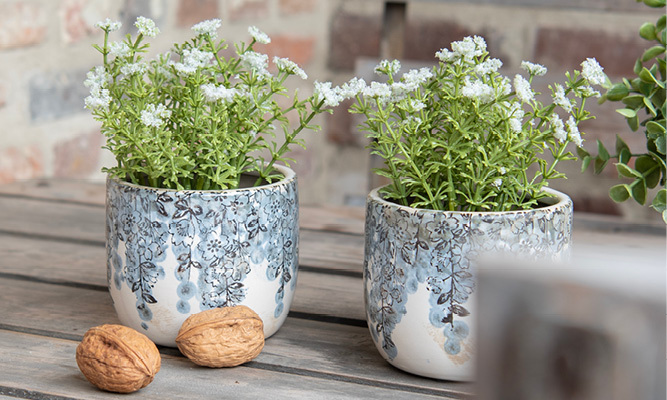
point(445, 55)
point(504, 87)
point(192, 60)
point(213, 93)
point(559, 128)
point(588, 91)
point(146, 27)
point(97, 78)
point(497, 183)
point(257, 62)
point(573, 132)
point(388, 67)
point(488, 66)
point(560, 99)
point(324, 92)
point(209, 27)
point(502, 170)
point(119, 49)
point(415, 77)
point(99, 99)
point(109, 25)
point(259, 36)
point(133, 68)
point(468, 48)
point(523, 89)
point(592, 72)
point(534, 69)
point(352, 88)
point(153, 116)
point(378, 90)
point(285, 64)
point(478, 90)
point(417, 105)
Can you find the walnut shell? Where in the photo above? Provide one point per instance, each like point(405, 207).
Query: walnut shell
point(118, 359)
point(222, 337)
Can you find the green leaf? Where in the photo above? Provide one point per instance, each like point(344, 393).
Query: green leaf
point(627, 172)
point(599, 165)
point(585, 162)
point(653, 127)
point(620, 145)
point(647, 31)
point(633, 123)
point(634, 101)
point(660, 144)
point(602, 152)
point(660, 200)
point(627, 112)
point(650, 107)
point(639, 192)
point(624, 156)
point(660, 25)
point(638, 67)
point(654, 3)
point(582, 153)
point(653, 52)
point(619, 193)
point(646, 76)
point(644, 163)
point(617, 92)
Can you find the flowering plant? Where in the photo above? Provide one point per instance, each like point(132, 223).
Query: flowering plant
point(191, 118)
point(461, 136)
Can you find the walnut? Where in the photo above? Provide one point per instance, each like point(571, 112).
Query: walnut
point(116, 358)
point(222, 337)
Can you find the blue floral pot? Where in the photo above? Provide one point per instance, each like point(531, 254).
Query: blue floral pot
point(419, 286)
point(173, 253)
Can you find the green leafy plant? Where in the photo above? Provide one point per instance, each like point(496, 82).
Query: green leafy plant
point(192, 118)
point(461, 136)
point(644, 109)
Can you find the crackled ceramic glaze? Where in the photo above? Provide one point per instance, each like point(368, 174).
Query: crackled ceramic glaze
point(418, 282)
point(172, 253)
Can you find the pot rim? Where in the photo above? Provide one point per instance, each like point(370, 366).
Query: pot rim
point(288, 176)
point(561, 201)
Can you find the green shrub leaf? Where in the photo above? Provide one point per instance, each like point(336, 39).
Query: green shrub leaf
point(653, 52)
point(647, 31)
point(627, 172)
point(617, 92)
point(619, 193)
point(627, 112)
point(639, 192)
point(602, 151)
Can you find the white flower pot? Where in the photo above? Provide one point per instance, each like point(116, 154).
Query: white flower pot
point(173, 253)
point(419, 284)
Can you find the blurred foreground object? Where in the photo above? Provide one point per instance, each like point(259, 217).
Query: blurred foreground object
point(588, 330)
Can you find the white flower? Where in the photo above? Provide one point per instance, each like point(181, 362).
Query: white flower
point(573, 132)
point(497, 183)
point(352, 88)
point(97, 78)
point(109, 25)
point(488, 66)
point(119, 49)
point(257, 62)
point(523, 89)
point(259, 36)
point(285, 64)
point(478, 90)
point(561, 100)
point(153, 116)
point(417, 105)
point(592, 72)
point(192, 60)
point(502, 170)
point(504, 87)
point(133, 68)
point(559, 128)
point(388, 67)
point(415, 77)
point(588, 91)
point(534, 69)
point(209, 27)
point(445, 55)
point(378, 90)
point(213, 93)
point(324, 92)
point(99, 99)
point(146, 27)
point(468, 48)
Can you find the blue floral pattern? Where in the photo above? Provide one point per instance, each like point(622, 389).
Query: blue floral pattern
point(216, 238)
point(407, 247)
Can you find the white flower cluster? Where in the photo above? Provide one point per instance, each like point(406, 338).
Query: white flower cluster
point(516, 117)
point(324, 92)
point(286, 65)
point(388, 67)
point(213, 93)
point(96, 81)
point(476, 89)
point(153, 116)
point(192, 60)
point(259, 36)
point(119, 49)
point(573, 132)
point(209, 27)
point(534, 69)
point(146, 27)
point(523, 90)
point(109, 25)
point(558, 128)
point(592, 72)
point(466, 49)
point(134, 68)
point(560, 99)
point(488, 66)
point(257, 62)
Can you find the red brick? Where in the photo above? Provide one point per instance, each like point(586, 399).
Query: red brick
point(290, 7)
point(21, 24)
point(559, 48)
point(298, 49)
point(340, 126)
point(247, 9)
point(594, 204)
point(73, 24)
point(20, 163)
point(353, 36)
point(77, 157)
point(191, 12)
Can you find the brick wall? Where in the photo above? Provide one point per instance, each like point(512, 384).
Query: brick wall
point(45, 52)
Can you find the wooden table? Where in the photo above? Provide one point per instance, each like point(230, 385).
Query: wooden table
point(53, 288)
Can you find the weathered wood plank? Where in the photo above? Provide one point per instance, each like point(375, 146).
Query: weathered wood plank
point(47, 365)
point(323, 348)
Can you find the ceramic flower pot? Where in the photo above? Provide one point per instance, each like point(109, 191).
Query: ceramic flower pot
point(173, 253)
point(419, 285)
